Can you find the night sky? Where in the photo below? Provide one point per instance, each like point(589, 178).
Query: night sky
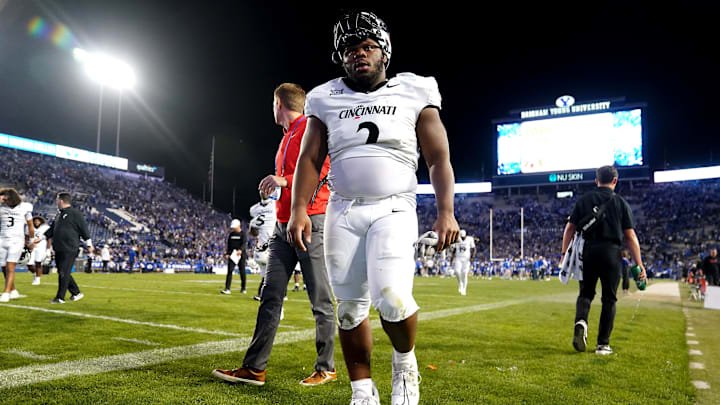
point(208, 68)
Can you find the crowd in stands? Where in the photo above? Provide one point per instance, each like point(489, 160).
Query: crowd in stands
point(673, 221)
point(163, 224)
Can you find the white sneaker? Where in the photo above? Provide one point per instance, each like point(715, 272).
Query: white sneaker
point(580, 335)
point(14, 294)
point(225, 291)
point(36, 281)
point(603, 349)
point(77, 297)
point(5, 297)
point(361, 399)
point(406, 390)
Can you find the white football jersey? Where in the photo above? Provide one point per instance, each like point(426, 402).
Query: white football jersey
point(372, 142)
point(264, 218)
point(13, 221)
point(40, 231)
point(463, 248)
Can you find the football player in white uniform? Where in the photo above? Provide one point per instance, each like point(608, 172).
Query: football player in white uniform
point(38, 247)
point(371, 127)
point(14, 216)
point(262, 226)
point(462, 251)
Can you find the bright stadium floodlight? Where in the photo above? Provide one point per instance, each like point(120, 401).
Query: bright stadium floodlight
point(698, 173)
point(460, 188)
point(106, 70)
point(109, 72)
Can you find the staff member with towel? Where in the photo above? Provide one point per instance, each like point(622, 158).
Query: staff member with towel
point(601, 254)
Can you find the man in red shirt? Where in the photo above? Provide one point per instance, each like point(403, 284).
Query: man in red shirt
point(289, 101)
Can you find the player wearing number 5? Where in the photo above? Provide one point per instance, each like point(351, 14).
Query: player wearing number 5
point(371, 128)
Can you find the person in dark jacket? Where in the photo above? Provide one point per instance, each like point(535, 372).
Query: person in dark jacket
point(237, 244)
point(64, 236)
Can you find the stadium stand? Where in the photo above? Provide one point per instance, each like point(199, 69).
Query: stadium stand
point(671, 220)
point(164, 223)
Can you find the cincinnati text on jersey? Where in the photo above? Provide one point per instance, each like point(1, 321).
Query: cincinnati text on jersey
point(369, 110)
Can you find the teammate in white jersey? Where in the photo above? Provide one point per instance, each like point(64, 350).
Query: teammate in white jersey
point(14, 216)
point(462, 251)
point(262, 226)
point(371, 127)
point(38, 247)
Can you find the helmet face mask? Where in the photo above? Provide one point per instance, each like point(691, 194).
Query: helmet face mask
point(354, 28)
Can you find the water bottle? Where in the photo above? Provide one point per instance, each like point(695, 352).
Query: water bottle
point(641, 284)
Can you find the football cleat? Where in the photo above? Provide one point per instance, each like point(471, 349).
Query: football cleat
point(362, 399)
point(405, 387)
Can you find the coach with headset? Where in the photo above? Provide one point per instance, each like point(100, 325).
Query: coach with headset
point(601, 254)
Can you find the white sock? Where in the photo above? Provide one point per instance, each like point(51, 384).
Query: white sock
point(363, 386)
point(404, 360)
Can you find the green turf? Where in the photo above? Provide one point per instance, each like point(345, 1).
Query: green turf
point(706, 327)
point(519, 353)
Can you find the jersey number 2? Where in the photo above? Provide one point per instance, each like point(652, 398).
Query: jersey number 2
point(372, 129)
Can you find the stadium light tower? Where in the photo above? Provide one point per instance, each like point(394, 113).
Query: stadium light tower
point(109, 72)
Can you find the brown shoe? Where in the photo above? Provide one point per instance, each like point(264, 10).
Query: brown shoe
point(320, 377)
point(243, 375)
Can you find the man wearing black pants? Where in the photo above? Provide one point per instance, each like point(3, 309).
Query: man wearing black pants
point(64, 235)
point(601, 255)
point(289, 100)
point(236, 244)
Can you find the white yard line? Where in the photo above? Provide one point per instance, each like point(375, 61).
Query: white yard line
point(130, 321)
point(151, 291)
point(215, 281)
point(142, 342)
point(29, 355)
point(33, 374)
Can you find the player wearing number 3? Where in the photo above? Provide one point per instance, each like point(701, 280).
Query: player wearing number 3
point(371, 127)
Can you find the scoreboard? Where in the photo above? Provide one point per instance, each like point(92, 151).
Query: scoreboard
point(566, 143)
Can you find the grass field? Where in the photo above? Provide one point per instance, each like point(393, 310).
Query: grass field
point(155, 338)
